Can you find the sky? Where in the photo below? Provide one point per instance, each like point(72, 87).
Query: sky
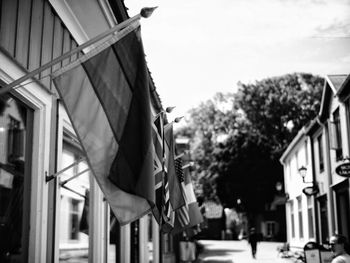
point(196, 48)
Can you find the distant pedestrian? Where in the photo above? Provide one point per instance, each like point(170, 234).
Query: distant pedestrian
point(253, 239)
point(339, 246)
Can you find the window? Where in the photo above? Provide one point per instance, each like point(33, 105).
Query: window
point(310, 217)
point(292, 221)
point(15, 140)
point(337, 136)
point(306, 154)
point(74, 204)
point(320, 153)
point(297, 159)
point(300, 218)
point(270, 228)
point(74, 219)
point(134, 241)
point(16, 128)
point(289, 170)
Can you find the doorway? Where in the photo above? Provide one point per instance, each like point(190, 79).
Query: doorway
point(343, 208)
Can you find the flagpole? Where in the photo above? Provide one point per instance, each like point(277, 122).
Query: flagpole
point(145, 13)
point(75, 176)
point(52, 176)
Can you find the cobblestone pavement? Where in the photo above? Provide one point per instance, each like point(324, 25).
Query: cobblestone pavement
point(239, 252)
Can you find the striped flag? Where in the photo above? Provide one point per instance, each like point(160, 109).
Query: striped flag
point(106, 96)
point(168, 212)
point(191, 200)
point(194, 214)
point(181, 214)
point(157, 134)
point(173, 198)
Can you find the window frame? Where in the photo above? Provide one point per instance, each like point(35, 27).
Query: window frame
point(292, 216)
point(337, 135)
point(320, 152)
point(300, 217)
point(310, 217)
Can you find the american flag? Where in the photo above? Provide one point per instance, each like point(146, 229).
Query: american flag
point(182, 213)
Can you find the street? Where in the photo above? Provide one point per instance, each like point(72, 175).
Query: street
point(239, 252)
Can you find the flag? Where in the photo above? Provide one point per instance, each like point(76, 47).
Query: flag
point(168, 213)
point(194, 214)
point(176, 198)
point(182, 218)
point(173, 198)
point(106, 96)
point(193, 209)
point(157, 133)
point(84, 220)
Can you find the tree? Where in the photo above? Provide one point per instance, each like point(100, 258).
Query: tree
point(239, 138)
point(278, 107)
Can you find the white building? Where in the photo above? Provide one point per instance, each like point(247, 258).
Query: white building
point(320, 147)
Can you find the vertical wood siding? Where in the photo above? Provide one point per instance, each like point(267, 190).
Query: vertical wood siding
point(33, 34)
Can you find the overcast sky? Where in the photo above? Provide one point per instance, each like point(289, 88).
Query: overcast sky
point(195, 48)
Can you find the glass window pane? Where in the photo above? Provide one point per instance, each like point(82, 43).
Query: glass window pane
point(15, 150)
point(74, 207)
point(300, 218)
point(114, 240)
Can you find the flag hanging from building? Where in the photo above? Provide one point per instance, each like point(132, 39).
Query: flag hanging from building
point(182, 218)
point(194, 214)
point(106, 95)
point(176, 198)
point(191, 200)
point(158, 136)
point(172, 197)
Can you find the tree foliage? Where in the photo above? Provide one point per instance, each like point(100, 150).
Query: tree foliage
point(278, 107)
point(238, 138)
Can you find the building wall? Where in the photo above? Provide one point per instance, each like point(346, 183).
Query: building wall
point(330, 205)
point(33, 33)
point(297, 205)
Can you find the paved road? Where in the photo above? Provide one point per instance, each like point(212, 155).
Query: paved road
point(239, 252)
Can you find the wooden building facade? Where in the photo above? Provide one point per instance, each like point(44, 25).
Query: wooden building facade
point(41, 220)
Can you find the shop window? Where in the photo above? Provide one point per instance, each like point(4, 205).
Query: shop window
point(16, 128)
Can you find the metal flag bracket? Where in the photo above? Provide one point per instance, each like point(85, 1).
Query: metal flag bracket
point(53, 176)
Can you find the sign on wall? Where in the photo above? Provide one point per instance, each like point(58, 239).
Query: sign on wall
point(343, 169)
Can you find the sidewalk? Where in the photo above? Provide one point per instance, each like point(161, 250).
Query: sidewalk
point(239, 252)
